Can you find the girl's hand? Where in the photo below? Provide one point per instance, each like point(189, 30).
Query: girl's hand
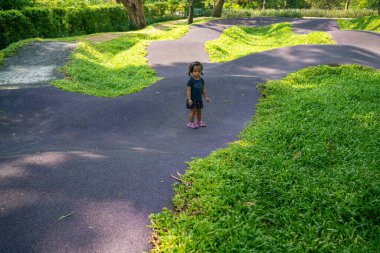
point(207, 99)
point(190, 102)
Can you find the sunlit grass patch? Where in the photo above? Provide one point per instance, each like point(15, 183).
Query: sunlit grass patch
point(365, 23)
point(304, 177)
point(239, 41)
point(121, 69)
point(117, 67)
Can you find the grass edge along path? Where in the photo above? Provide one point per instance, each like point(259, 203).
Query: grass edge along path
point(304, 177)
point(239, 41)
point(14, 47)
point(118, 66)
point(369, 23)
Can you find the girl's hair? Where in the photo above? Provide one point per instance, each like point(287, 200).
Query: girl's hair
point(193, 64)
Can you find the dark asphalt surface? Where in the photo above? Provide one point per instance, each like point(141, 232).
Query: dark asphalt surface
point(35, 65)
point(109, 161)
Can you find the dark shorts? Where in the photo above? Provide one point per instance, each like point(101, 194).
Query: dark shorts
point(197, 104)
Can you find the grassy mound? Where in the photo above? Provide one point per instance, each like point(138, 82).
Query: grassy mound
point(117, 67)
point(304, 177)
point(364, 23)
point(239, 41)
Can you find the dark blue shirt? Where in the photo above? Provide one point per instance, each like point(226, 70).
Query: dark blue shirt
point(196, 88)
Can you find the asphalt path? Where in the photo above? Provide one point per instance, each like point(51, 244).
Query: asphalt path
point(82, 174)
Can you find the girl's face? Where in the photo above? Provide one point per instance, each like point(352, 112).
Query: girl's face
point(196, 72)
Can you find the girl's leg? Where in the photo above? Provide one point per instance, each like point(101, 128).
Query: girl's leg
point(199, 115)
point(192, 115)
point(199, 118)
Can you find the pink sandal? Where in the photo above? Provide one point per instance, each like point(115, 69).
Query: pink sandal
point(201, 124)
point(192, 125)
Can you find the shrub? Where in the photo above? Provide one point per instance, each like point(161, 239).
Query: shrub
point(151, 10)
point(173, 6)
point(14, 26)
point(15, 4)
point(57, 22)
point(156, 12)
point(297, 13)
point(120, 15)
point(42, 22)
point(162, 6)
point(70, 3)
point(79, 20)
point(162, 19)
point(206, 12)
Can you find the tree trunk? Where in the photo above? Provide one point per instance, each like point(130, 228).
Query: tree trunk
point(264, 3)
point(191, 12)
point(217, 12)
point(135, 10)
point(347, 5)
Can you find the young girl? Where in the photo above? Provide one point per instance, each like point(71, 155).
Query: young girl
point(195, 89)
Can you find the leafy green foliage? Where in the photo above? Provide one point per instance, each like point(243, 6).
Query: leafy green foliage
point(14, 27)
point(71, 3)
point(325, 4)
point(61, 21)
point(117, 67)
point(15, 4)
point(303, 178)
point(374, 4)
point(239, 41)
point(299, 4)
point(297, 13)
point(364, 23)
point(58, 22)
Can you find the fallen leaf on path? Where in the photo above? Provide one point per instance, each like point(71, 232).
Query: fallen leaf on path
point(65, 216)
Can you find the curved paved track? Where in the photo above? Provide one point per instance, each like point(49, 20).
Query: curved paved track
point(109, 161)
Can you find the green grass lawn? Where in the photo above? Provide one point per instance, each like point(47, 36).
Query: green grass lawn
point(304, 176)
point(118, 67)
point(364, 23)
point(239, 41)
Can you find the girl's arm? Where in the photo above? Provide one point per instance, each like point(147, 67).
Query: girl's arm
point(205, 94)
point(188, 94)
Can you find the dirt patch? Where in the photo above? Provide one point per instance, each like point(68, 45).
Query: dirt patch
point(105, 37)
point(35, 65)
